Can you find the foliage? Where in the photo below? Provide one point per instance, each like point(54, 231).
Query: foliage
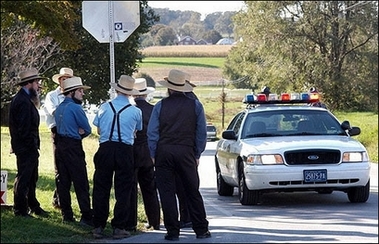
point(94, 66)
point(294, 45)
point(189, 23)
point(52, 18)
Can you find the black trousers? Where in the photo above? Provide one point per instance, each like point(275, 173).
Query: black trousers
point(72, 170)
point(24, 188)
point(55, 194)
point(172, 161)
point(112, 159)
point(145, 177)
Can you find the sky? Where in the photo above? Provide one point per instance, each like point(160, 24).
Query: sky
point(202, 7)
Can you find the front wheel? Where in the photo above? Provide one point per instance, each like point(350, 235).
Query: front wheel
point(359, 194)
point(246, 196)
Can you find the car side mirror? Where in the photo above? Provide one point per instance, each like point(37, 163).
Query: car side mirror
point(354, 131)
point(229, 134)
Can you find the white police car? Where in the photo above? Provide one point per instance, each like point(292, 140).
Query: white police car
point(285, 145)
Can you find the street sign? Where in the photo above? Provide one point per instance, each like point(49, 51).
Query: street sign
point(96, 19)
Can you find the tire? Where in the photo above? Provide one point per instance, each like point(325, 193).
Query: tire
point(246, 196)
point(223, 189)
point(359, 194)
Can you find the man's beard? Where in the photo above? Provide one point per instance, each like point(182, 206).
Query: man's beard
point(77, 101)
point(34, 97)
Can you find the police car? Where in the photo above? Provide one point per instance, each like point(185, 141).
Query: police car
point(282, 144)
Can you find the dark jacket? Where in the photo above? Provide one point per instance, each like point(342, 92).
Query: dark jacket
point(23, 123)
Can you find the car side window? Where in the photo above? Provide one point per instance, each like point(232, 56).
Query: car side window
point(235, 125)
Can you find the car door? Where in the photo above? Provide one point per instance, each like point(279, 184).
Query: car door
point(228, 149)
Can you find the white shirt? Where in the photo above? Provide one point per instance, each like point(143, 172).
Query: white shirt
point(52, 100)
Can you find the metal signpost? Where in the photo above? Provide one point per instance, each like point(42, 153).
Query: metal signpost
point(111, 21)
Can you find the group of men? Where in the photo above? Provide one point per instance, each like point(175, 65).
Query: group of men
point(152, 145)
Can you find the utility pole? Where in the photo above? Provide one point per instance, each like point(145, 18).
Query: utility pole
point(223, 100)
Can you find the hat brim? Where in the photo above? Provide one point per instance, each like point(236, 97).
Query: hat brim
point(75, 87)
point(56, 77)
point(30, 78)
point(186, 87)
point(124, 91)
point(146, 91)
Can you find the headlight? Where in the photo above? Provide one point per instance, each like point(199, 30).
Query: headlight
point(349, 157)
point(266, 159)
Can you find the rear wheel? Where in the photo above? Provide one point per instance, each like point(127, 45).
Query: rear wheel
point(246, 196)
point(359, 194)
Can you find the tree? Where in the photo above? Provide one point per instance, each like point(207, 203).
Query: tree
point(88, 58)
point(212, 36)
point(52, 18)
point(22, 48)
point(91, 60)
point(293, 45)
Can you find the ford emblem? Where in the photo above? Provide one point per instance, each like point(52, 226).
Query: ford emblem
point(313, 157)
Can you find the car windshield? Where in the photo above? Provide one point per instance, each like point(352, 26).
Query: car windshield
point(290, 123)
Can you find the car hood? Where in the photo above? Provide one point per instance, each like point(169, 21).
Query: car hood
point(285, 143)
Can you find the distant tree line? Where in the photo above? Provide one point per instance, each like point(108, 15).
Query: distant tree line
point(175, 24)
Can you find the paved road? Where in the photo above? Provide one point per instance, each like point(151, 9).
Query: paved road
point(286, 218)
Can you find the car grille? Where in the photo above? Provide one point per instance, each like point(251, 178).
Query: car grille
point(301, 157)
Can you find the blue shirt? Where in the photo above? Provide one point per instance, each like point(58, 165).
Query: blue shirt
point(130, 120)
point(153, 129)
point(69, 117)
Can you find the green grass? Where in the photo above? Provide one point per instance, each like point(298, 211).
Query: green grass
point(167, 62)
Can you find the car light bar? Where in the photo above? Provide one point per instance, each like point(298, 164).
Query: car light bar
point(284, 98)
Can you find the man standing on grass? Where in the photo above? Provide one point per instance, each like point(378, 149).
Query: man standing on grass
point(25, 142)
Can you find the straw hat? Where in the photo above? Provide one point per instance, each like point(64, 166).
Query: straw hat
point(188, 78)
point(63, 72)
point(142, 87)
point(28, 75)
point(73, 83)
point(125, 85)
point(176, 81)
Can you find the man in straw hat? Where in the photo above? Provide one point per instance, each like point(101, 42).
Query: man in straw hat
point(176, 137)
point(24, 122)
point(72, 126)
point(117, 122)
point(143, 166)
point(52, 100)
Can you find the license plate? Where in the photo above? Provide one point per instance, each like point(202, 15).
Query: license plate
point(315, 175)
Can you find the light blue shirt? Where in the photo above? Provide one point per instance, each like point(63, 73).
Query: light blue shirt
point(201, 129)
point(130, 120)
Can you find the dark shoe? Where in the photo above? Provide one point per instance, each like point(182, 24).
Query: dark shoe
point(120, 234)
point(39, 211)
point(98, 233)
point(171, 237)
point(203, 236)
point(185, 225)
point(86, 222)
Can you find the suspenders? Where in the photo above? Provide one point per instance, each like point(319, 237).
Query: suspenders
point(116, 116)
